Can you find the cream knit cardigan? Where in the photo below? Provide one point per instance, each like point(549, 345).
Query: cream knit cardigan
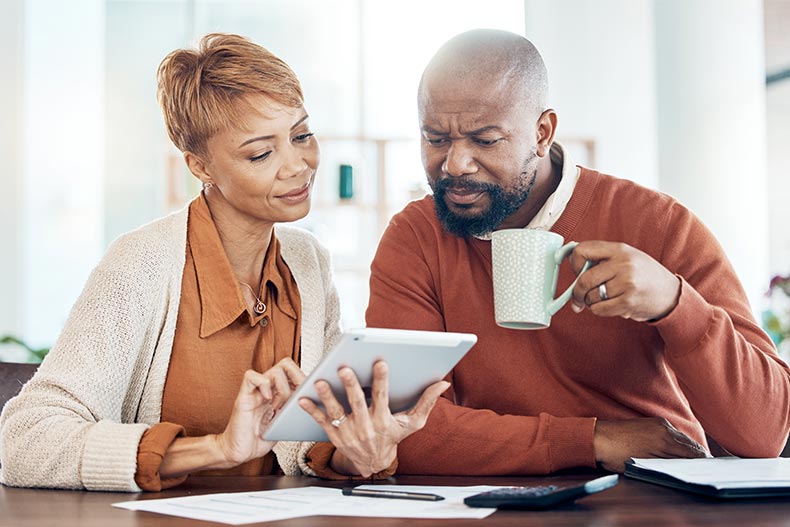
point(77, 423)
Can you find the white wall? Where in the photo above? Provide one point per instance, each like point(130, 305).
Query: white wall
point(63, 155)
point(711, 125)
point(137, 180)
point(777, 56)
point(11, 66)
point(601, 62)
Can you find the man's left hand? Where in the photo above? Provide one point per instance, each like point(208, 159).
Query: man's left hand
point(635, 285)
point(367, 438)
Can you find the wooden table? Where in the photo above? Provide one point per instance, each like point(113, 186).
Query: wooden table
point(631, 503)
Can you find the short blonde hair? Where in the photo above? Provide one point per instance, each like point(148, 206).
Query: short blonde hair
point(203, 91)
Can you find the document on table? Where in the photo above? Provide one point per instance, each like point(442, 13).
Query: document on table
point(726, 477)
point(251, 507)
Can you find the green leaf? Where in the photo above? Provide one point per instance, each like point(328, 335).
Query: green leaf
point(36, 354)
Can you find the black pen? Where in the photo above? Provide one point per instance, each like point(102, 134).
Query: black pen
point(392, 494)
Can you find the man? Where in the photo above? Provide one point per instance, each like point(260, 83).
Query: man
point(659, 346)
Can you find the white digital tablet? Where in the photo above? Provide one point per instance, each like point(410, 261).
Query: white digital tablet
point(416, 359)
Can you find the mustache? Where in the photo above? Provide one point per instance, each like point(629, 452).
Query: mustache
point(446, 183)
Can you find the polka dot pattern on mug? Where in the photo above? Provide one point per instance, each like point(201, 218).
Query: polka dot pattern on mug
point(523, 263)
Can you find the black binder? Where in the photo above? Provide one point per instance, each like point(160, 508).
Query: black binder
point(662, 478)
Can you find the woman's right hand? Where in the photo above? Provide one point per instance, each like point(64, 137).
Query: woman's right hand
point(260, 396)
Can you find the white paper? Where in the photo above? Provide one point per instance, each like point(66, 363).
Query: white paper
point(238, 508)
point(724, 472)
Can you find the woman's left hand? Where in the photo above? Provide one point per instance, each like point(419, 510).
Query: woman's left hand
point(367, 438)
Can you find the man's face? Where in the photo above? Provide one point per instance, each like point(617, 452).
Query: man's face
point(479, 152)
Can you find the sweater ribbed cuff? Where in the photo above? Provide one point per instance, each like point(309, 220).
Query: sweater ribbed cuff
point(685, 326)
point(109, 460)
point(571, 442)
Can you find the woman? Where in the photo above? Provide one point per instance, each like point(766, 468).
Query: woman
point(157, 374)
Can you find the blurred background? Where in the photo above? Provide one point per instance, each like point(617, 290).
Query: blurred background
point(688, 97)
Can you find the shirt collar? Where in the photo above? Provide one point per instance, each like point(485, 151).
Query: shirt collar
point(221, 299)
point(555, 205)
point(275, 271)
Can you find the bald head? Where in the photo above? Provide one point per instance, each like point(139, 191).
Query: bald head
point(490, 59)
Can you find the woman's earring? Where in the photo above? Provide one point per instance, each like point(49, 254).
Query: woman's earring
point(207, 185)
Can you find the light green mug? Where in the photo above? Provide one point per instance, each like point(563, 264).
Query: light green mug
point(526, 265)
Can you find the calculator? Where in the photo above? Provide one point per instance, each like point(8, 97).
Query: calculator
point(538, 497)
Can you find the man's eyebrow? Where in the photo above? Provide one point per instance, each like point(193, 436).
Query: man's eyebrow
point(429, 130)
point(484, 130)
point(264, 137)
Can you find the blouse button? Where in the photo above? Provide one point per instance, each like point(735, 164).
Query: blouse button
point(264, 322)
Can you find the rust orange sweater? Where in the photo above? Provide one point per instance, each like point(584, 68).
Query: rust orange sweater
point(525, 402)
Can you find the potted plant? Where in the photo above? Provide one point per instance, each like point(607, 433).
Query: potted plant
point(776, 318)
point(33, 354)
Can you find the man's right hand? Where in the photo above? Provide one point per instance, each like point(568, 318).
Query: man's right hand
point(617, 441)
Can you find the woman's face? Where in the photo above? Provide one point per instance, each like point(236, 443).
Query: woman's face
point(265, 170)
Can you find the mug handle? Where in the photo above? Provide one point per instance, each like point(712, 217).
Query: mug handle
point(559, 255)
